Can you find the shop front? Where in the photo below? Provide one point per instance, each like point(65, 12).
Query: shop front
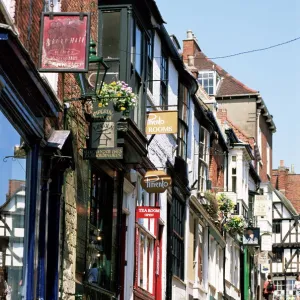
point(25, 104)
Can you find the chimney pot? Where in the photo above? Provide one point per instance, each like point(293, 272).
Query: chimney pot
point(190, 35)
point(281, 163)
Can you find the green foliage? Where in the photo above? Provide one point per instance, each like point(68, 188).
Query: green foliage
point(120, 93)
point(235, 224)
point(212, 206)
point(226, 205)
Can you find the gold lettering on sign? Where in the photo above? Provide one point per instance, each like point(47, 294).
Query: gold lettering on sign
point(162, 122)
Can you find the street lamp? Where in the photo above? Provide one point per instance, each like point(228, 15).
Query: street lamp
point(91, 82)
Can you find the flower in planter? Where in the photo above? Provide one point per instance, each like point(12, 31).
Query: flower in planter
point(235, 225)
point(226, 205)
point(120, 93)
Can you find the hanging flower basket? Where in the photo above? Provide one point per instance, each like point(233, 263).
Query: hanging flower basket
point(120, 94)
point(226, 205)
point(235, 225)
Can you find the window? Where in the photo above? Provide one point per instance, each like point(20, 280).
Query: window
point(103, 213)
point(250, 209)
point(204, 145)
point(110, 41)
point(236, 209)
point(203, 158)
point(164, 81)
point(276, 226)
point(233, 158)
point(178, 237)
point(150, 61)
point(209, 80)
point(183, 107)
point(233, 180)
point(13, 201)
point(277, 255)
point(145, 262)
point(138, 50)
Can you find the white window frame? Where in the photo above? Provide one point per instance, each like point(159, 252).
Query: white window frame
point(210, 75)
point(148, 261)
point(203, 159)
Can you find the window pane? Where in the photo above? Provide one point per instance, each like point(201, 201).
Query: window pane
point(13, 202)
point(111, 34)
point(102, 234)
point(138, 50)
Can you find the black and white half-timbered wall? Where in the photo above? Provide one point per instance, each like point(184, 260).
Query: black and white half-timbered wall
point(286, 246)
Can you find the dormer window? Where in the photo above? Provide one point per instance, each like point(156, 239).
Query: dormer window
point(209, 80)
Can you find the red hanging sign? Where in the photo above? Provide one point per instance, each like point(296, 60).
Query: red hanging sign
point(147, 212)
point(64, 42)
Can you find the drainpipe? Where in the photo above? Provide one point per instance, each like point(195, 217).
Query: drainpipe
point(227, 171)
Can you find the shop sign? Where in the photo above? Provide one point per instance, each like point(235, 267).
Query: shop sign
point(162, 122)
point(266, 242)
point(64, 42)
point(147, 212)
point(103, 135)
point(265, 268)
point(263, 258)
point(156, 181)
point(112, 153)
point(251, 236)
point(260, 205)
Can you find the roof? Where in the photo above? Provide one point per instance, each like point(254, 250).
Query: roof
point(229, 85)
point(286, 202)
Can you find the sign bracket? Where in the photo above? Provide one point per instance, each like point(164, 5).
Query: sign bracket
point(150, 140)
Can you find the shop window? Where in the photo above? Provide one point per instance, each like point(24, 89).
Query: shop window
point(178, 237)
point(12, 210)
point(101, 252)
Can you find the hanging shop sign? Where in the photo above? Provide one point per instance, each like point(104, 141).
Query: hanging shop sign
point(147, 212)
point(251, 236)
point(103, 135)
point(260, 205)
point(156, 181)
point(265, 268)
point(263, 258)
point(64, 42)
point(162, 122)
point(266, 242)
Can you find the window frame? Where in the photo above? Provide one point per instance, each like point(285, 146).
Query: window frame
point(203, 156)
point(211, 87)
point(164, 80)
point(178, 234)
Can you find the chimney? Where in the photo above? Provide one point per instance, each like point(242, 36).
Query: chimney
point(222, 115)
point(282, 177)
point(190, 46)
point(292, 169)
point(190, 60)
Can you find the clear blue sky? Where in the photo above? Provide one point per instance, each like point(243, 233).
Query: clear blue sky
point(225, 27)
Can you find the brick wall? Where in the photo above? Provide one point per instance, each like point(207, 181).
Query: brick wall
point(216, 167)
point(287, 183)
